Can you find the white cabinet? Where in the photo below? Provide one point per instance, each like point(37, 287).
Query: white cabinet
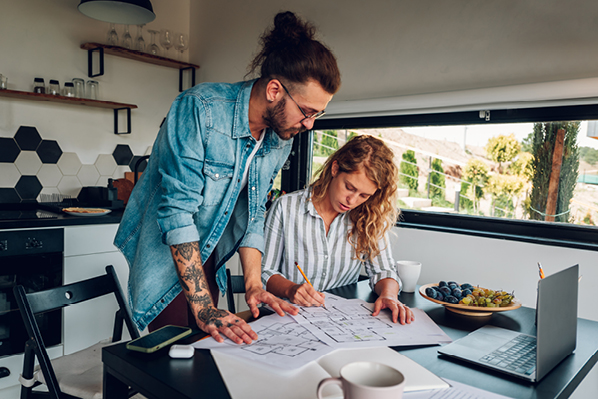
point(87, 251)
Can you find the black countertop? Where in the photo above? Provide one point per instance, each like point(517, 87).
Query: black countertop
point(62, 220)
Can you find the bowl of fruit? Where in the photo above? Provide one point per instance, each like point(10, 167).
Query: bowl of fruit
point(468, 299)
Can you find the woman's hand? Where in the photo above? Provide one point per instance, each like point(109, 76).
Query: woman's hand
point(305, 295)
point(400, 312)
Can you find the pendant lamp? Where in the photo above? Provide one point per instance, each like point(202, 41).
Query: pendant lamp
point(130, 12)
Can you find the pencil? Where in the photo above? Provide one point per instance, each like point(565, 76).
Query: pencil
point(305, 277)
point(540, 270)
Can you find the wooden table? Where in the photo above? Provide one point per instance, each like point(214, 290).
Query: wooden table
point(158, 376)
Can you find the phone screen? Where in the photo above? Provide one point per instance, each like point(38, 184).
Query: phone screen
point(159, 338)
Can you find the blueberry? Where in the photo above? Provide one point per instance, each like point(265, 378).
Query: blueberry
point(457, 292)
point(451, 299)
point(445, 291)
point(442, 284)
point(452, 282)
point(466, 292)
point(466, 286)
point(431, 292)
point(439, 296)
point(453, 286)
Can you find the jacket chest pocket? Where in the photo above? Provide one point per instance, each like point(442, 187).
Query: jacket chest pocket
point(218, 178)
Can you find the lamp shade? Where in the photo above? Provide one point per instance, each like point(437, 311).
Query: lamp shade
point(130, 12)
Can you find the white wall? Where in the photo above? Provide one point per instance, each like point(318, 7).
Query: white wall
point(41, 38)
point(391, 48)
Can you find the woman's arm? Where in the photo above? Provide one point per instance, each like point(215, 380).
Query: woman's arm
point(388, 292)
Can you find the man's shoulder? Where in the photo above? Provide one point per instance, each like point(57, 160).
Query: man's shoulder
point(216, 90)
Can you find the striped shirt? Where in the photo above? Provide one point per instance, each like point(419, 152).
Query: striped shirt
point(295, 232)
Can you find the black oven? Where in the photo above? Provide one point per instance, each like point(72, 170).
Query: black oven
point(34, 259)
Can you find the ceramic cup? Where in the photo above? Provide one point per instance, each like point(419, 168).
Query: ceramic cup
point(409, 273)
point(367, 380)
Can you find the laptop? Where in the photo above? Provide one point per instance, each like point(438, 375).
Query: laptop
point(522, 355)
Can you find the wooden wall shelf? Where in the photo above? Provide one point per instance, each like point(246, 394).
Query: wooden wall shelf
point(139, 56)
point(25, 95)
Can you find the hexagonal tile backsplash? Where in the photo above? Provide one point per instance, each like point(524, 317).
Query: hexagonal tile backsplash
point(30, 166)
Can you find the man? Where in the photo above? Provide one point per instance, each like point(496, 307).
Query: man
point(202, 196)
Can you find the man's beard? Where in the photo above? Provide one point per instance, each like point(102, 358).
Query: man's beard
point(276, 119)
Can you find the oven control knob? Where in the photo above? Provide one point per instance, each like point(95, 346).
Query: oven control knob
point(33, 243)
point(3, 245)
point(4, 372)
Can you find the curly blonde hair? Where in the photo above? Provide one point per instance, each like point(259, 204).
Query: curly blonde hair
point(372, 219)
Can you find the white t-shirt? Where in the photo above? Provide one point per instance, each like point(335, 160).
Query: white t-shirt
point(257, 147)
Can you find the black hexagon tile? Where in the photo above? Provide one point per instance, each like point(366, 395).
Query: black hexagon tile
point(28, 138)
point(142, 164)
point(122, 154)
point(9, 196)
point(49, 151)
point(9, 150)
point(28, 187)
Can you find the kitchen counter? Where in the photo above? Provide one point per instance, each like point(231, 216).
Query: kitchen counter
point(62, 220)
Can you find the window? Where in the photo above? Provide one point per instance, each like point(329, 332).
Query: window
point(490, 177)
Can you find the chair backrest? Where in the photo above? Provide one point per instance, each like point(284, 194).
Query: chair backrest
point(33, 303)
point(234, 285)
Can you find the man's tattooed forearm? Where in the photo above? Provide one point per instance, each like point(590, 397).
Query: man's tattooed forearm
point(203, 300)
point(212, 315)
point(187, 249)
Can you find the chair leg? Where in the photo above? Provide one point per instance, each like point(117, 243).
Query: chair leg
point(28, 367)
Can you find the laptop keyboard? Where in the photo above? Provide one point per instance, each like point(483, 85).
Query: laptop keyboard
point(518, 355)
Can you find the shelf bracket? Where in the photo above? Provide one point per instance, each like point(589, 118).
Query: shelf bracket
point(116, 120)
point(181, 77)
point(90, 62)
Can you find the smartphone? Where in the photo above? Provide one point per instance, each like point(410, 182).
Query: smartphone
point(158, 339)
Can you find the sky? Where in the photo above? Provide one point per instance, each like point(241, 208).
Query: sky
point(478, 135)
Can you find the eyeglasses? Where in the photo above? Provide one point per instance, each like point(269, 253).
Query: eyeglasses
point(312, 116)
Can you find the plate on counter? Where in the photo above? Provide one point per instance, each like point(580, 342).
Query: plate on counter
point(76, 211)
point(469, 310)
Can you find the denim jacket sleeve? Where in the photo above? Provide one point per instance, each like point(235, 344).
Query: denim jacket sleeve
point(182, 156)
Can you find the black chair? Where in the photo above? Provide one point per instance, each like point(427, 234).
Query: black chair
point(80, 373)
point(234, 285)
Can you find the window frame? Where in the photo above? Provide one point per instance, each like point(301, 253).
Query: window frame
point(538, 232)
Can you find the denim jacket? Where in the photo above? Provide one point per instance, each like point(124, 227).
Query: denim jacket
point(190, 191)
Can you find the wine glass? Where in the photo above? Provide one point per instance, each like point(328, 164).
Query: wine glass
point(127, 39)
point(112, 36)
point(153, 48)
point(166, 39)
point(140, 42)
point(181, 43)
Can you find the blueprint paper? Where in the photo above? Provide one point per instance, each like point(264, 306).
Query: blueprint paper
point(348, 323)
point(282, 344)
point(456, 391)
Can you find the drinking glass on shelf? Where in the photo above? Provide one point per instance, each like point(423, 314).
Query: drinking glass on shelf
point(92, 89)
point(79, 85)
point(166, 39)
point(127, 39)
point(112, 36)
point(140, 42)
point(153, 48)
point(3, 82)
point(181, 43)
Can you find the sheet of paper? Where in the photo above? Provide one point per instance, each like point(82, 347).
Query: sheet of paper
point(241, 377)
point(282, 345)
point(457, 390)
point(348, 323)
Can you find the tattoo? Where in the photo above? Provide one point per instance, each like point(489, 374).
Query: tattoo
point(203, 300)
point(211, 315)
point(187, 249)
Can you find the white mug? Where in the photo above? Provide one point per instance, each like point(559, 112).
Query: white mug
point(409, 274)
point(367, 380)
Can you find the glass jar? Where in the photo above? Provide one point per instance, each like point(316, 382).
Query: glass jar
point(54, 88)
point(69, 89)
point(3, 82)
point(39, 86)
point(92, 89)
point(79, 85)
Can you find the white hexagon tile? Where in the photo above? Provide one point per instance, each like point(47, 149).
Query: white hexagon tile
point(105, 164)
point(88, 175)
point(28, 163)
point(9, 175)
point(69, 164)
point(69, 185)
point(49, 175)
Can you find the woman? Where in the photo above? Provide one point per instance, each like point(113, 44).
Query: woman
point(334, 227)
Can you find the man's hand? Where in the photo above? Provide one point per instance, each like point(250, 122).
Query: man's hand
point(216, 321)
point(305, 295)
point(399, 311)
point(257, 295)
